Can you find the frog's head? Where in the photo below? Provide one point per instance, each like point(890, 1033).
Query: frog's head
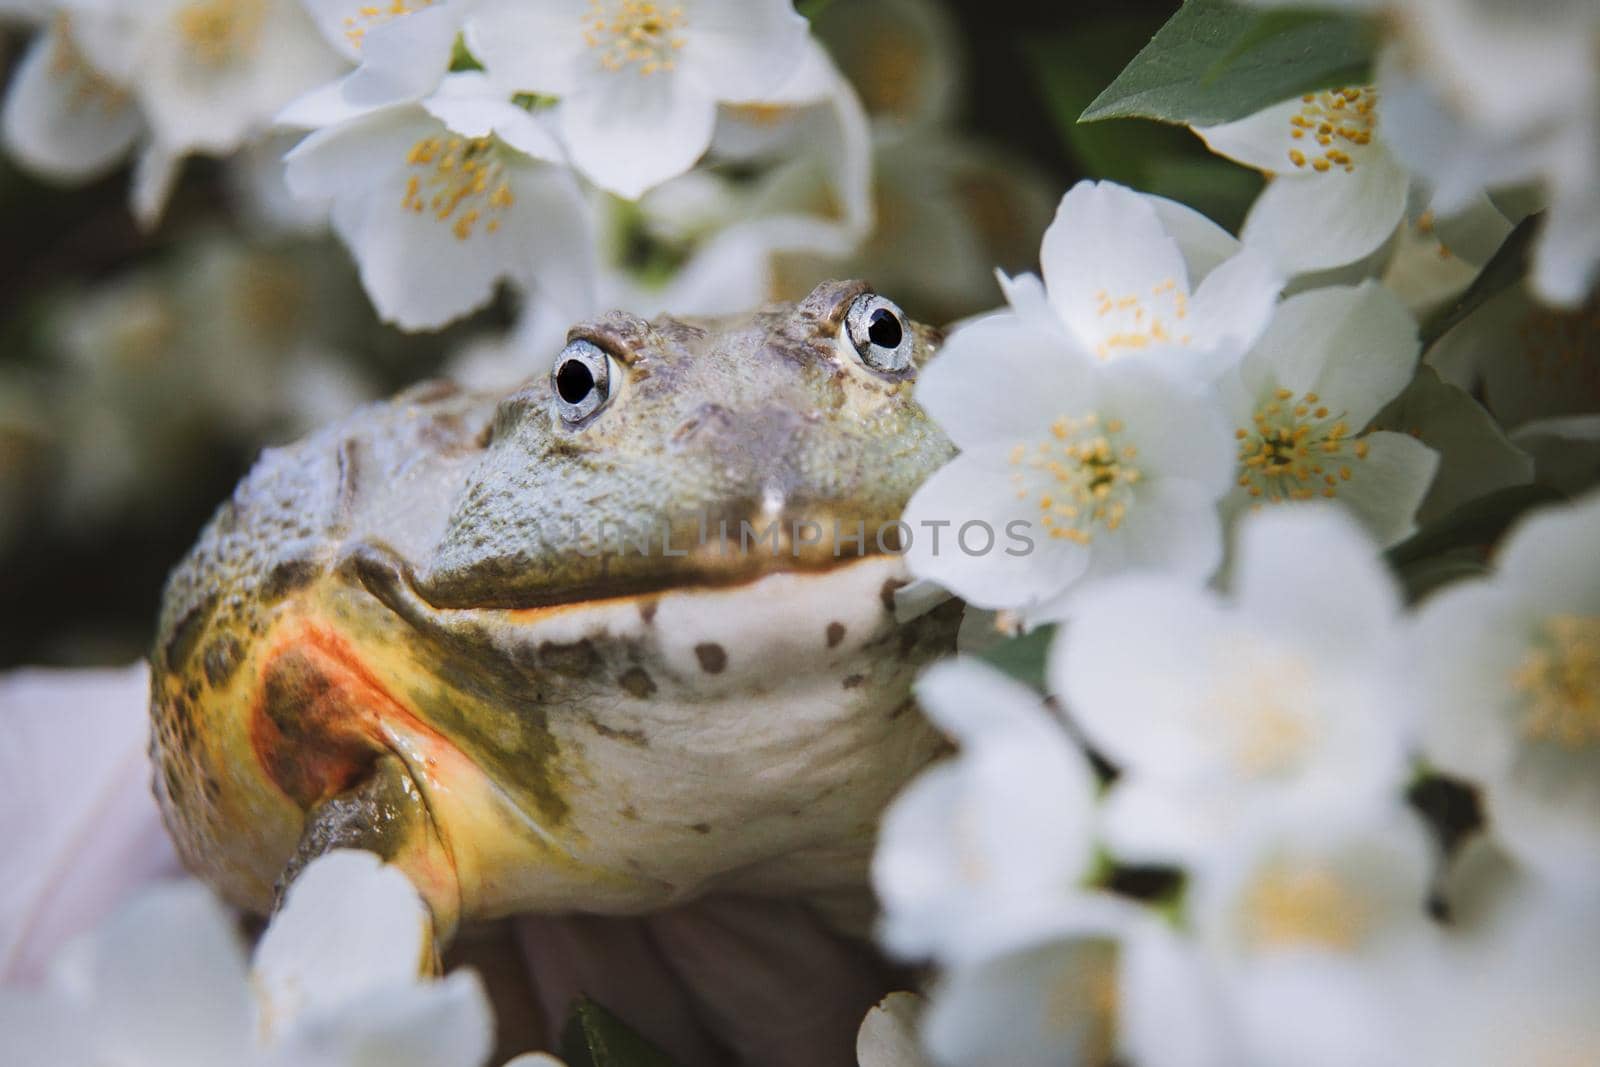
point(669, 453)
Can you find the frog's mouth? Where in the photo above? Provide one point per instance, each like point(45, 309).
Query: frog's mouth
point(601, 561)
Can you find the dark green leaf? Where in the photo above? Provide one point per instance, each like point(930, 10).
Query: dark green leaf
point(812, 8)
point(595, 1038)
point(1476, 524)
point(1214, 62)
point(1023, 658)
point(1505, 268)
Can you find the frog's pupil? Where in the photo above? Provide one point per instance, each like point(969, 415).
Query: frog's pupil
point(574, 381)
point(883, 329)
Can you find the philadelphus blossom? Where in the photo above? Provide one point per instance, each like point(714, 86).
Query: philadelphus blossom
point(1092, 433)
point(1312, 926)
point(1285, 697)
point(1113, 984)
point(1086, 469)
point(404, 48)
point(337, 981)
point(439, 201)
point(1509, 679)
point(1129, 277)
point(1491, 92)
point(1335, 194)
point(176, 76)
point(639, 80)
point(1301, 400)
point(985, 850)
point(63, 118)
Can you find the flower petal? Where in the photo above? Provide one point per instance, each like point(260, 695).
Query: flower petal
point(1106, 245)
point(744, 50)
point(349, 925)
point(1386, 488)
point(1003, 379)
point(1316, 222)
point(627, 133)
point(1356, 348)
point(1023, 565)
point(61, 119)
point(529, 46)
point(169, 980)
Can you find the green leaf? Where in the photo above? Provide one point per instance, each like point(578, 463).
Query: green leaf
point(1477, 524)
point(1023, 658)
point(812, 8)
point(595, 1038)
point(1505, 268)
point(1214, 62)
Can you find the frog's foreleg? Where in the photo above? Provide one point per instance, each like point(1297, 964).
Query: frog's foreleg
point(384, 812)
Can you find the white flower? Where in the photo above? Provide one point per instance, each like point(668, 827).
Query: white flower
point(1078, 470)
point(1530, 360)
point(1113, 985)
point(1314, 927)
point(81, 826)
point(336, 982)
point(1508, 676)
point(985, 850)
point(404, 48)
point(1518, 986)
point(1302, 398)
point(1500, 95)
point(1131, 277)
point(439, 201)
point(639, 79)
point(1335, 194)
point(1285, 697)
point(888, 1035)
point(1436, 257)
point(63, 117)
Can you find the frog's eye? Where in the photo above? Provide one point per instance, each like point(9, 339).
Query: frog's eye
point(582, 380)
point(878, 332)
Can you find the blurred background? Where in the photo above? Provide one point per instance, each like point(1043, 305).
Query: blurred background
point(141, 372)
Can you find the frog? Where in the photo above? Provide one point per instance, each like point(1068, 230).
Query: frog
point(629, 633)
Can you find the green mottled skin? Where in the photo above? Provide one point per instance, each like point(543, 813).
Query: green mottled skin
point(389, 638)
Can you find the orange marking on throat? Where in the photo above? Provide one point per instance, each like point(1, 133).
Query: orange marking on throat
point(320, 717)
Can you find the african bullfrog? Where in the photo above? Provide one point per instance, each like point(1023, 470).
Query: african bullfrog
point(616, 638)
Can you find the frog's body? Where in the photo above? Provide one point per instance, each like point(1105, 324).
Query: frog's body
point(413, 632)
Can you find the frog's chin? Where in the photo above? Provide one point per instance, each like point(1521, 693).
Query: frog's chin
point(630, 753)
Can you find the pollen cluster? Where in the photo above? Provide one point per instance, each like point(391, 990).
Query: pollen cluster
point(1259, 706)
point(90, 88)
point(1559, 680)
point(640, 34)
point(1305, 907)
point(461, 182)
point(1141, 320)
point(1330, 125)
point(1081, 476)
point(370, 16)
point(218, 32)
point(1296, 449)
